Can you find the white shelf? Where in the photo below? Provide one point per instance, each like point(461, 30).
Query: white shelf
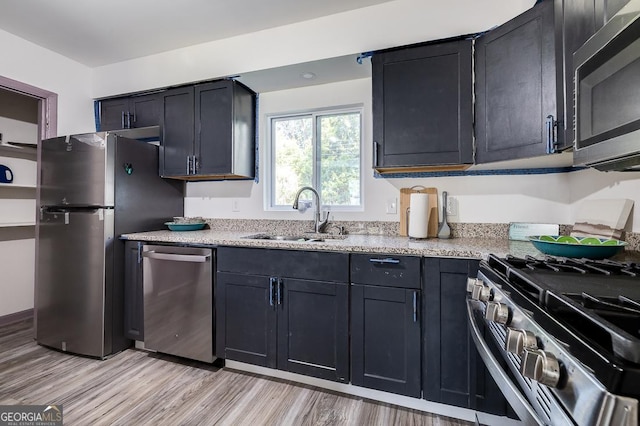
point(21, 151)
point(11, 185)
point(16, 224)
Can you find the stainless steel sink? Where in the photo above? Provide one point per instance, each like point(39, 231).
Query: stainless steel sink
point(311, 237)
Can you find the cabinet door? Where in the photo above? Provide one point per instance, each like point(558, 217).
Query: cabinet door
point(133, 292)
point(145, 110)
point(245, 319)
point(213, 115)
point(176, 148)
point(313, 328)
point(453, 371)
point(422, 105)
point(516, 86)
point(385, 339)
point(113, 114)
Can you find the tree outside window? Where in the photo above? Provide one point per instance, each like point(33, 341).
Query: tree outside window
point(321, 150)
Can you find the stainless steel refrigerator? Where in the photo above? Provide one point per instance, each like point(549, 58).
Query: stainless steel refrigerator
point(93, 188)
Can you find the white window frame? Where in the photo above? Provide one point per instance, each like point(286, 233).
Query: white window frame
point(270, 159)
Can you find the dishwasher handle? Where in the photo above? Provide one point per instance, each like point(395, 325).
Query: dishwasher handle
point(152, 254)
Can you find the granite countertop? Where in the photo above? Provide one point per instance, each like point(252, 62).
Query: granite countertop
point(476, 248)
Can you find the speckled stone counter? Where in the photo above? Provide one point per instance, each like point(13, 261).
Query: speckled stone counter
point(476, 248)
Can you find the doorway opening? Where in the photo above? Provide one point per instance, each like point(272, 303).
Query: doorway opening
point(28, 115)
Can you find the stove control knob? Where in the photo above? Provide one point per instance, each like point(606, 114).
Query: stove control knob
point(497, 312)
point(519, 340)
point(481, 292)
point(472, 282)
point(540, 366)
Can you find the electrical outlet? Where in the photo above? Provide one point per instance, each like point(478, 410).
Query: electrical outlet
point(392, 206)
point(452, 206)
point(235, 206)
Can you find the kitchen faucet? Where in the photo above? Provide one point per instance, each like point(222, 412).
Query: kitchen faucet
point(319, 225)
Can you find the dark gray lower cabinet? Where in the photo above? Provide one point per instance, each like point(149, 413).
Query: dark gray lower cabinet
point(385, 323)
point(453, 370)
point(246, 318)
point(313, 329)
point(385, 339)
point(295, 317)
point(133, 293)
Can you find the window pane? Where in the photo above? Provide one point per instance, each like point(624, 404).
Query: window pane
point(293, 157)
point(339, 138)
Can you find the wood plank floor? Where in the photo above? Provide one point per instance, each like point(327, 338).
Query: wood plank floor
point(138, 388)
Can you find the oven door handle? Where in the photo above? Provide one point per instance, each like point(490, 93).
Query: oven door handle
point(518, 402)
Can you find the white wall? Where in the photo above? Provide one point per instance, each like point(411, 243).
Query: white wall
point(18, 131)
point(27, 63)
point(31, 64)
point(545, 198)
point(390, 24)
point(17, 284)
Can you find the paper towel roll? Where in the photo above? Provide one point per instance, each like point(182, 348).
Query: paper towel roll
point(418, 215)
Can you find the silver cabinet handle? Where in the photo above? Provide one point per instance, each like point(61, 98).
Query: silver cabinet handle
point(272, 285)
point(280, 291)
point(194, 164)
point(194, 258)
point(552, 134)
point(415, 306)
point(128, 120)
point(387, 260)
point(139, 252)
point(375, 154)
point(188, 164)
point(122, 121)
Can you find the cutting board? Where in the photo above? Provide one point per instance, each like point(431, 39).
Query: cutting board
point(602, 218)
point(405, 201)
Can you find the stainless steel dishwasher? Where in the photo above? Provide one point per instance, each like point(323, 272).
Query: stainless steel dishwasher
point(178, 301)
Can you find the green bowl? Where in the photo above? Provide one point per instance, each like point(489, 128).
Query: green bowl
point(587, 247)
point(185, 226)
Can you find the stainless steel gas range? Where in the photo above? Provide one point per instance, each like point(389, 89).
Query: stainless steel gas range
point(567, 336)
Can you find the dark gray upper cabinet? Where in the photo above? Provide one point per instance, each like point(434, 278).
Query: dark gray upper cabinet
point(422, 106)
point(524, 80)
point(385, 323)
point(177, 121)
point(144, 110)
point(208, 131)
point(517, 87)
point(284, 309)
point(130, 112)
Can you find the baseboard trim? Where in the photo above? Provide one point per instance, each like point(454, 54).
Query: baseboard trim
point(390, 398)
point(16, 317)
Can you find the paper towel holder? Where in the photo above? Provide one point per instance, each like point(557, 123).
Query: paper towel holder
point(410, 237)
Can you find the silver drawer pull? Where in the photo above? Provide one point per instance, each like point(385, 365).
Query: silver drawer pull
point(176, 257)
point(387, 260)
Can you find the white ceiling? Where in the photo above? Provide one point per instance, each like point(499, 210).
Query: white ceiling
point(100, 32)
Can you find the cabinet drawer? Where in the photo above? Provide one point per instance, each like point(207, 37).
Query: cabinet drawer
point(306, 265)
point(387, 270)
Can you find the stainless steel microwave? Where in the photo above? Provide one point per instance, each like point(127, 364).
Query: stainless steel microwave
point(607, 94)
